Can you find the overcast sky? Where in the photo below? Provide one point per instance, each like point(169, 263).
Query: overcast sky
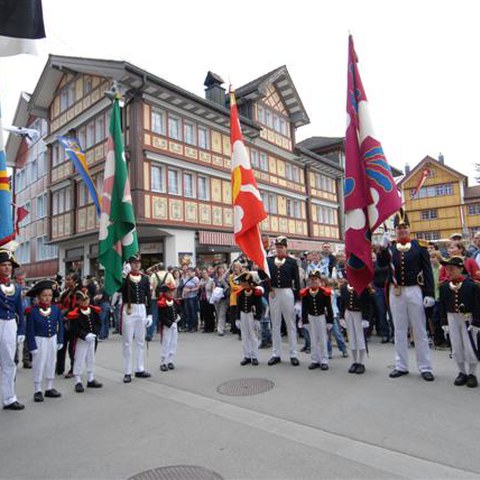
point(418, 59)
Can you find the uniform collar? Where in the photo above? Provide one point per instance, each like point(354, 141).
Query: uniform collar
point(5, 280)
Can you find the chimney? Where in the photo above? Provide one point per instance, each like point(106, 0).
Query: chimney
point(441, 160)
point(214, 91)
point(407, 169)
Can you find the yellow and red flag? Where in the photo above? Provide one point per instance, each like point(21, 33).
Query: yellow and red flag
point(248, 209)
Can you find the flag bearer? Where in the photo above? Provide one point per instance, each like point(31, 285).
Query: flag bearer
point(10, 306)
point(44, 337)
point(168, 314)
point(460, 309)
point(285, 285)
point(316, 313)
point(250, 309)
point(136, 317)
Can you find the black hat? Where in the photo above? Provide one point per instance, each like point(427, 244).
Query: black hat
point(7, 256)
point(281, 240)
point(454, 261)
point(401, 218)
point(82, 294)
point(42, 285)
point(315, 273)
point(167, 287)
point(246, 277)
point(135, 258)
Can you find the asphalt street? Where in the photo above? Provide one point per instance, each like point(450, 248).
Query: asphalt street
point(310, 425)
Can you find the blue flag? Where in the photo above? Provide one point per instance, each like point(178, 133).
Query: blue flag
point(77, 156)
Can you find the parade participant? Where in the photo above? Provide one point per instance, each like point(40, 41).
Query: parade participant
point(20, 280)
point(158, 277)
point(455, 248)
point(250, 309)
point(316, 313)
point(411, 291)
point(285, 285)
point(44, 329)
point(67, 303)
point(168, 315)
point(460, 308)
point(87, 323)
point(136, 316)
point(355, 310)
point(10, 307)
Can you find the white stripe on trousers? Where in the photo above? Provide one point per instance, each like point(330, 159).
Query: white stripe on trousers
point(248, 329)
point(45, 359)
point(407, 309)
point(134, 326)
point(169, 343)
point(84, 354)
point(283, 303)
point(462, 351)
point(317, 327)
point(8, 343)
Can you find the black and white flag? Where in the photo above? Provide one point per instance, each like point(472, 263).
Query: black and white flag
point(21, 26)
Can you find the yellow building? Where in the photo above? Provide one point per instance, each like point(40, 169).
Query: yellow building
point(444, 204)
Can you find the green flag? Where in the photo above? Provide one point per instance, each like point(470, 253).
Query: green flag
point(118, 239)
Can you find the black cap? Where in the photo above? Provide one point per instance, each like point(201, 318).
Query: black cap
point(315, 274)
point(42, 285)
point(401, 219)
point(281, 240)
point(454, 261)
point(135, 258)
point(82, 294)
point(7, 256)
point(246, 277)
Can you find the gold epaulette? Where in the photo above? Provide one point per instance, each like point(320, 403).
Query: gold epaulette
point(423, 243)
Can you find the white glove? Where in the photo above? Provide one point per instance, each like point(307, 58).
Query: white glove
point(20, 339)
point(237, 324)
point(34, 352)
point(428, 302)
point(126, 269)
point(342, 323)
point(59, 346)
point(298, 308)
point(90, 337)
point(365, 323)
point(149, 321)
point(445, 329)
point(300, 324)
point(385, 242)
point(329, 326)
point(474, 330)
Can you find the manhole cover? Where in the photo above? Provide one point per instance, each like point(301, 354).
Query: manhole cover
point(178, 472)
point(245, 387)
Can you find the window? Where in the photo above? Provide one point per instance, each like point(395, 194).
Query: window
point(440, 190)
point(203, 191)
point(433, 235)
point(62, 200)
point(67, 205)
point(28, 218)
point(276, 123)
point(268, 118)
point(288, 171)
point(42, 164)
point(34, 170)
point(429, 214)
point(283, 127)
point(326, 215)
point(174, 130)
point(188, 185)
point(189, 134)
point(90, 137)
point(474, 209)
point(254, 157)
point(23, 253)
point(42, 206)
point(263, 162)
point(296, 174)
point(272, 203)
point(99, 129)
point(158, 179)
point(82, 194)
point(173, 182)
point(81, 132)
point(63, 101)
point(71, 94)
point(45, 251)
point(261, 114)
point(99, 184)
point(158, 121)
point(203, 138)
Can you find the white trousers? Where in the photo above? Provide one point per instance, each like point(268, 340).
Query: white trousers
point(8, 343)
point(169, 343)
point(248, 328)
point(407, 309)
point(134, 326)
point(283, 303)
point(317, 327)
point(45, 359)
point(84, 355)
point(462, 350)
point(221, 313)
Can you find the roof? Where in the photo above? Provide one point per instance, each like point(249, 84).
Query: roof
point(280, 78)
point(472, 192)
point(321, 143)
point(319, 161)
point(426, 160)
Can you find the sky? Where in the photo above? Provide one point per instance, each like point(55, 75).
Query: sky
point(418, 59)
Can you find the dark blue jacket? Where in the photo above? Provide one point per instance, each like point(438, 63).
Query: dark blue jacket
point(11, 307)
point(39, 325)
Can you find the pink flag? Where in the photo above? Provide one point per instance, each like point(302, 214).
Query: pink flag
point(371, 195)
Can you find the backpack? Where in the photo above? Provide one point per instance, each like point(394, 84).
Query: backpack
point(159, 283)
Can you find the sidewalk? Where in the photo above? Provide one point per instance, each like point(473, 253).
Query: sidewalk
point(311, 424)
